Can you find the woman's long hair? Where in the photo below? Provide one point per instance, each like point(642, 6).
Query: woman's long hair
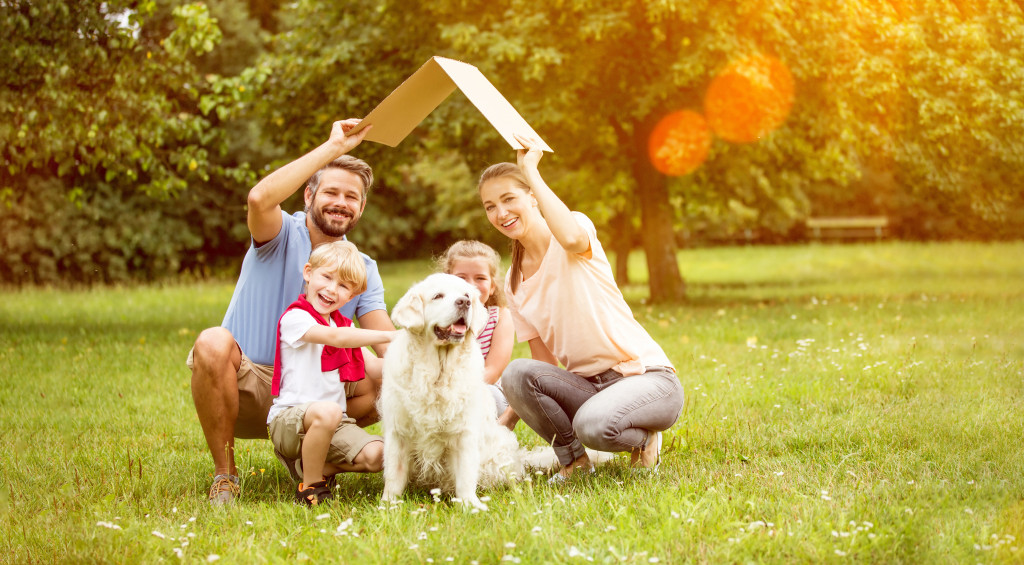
point(510, 170)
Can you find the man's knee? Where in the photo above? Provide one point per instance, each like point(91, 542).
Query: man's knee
point(213, 352)
point(366, 390)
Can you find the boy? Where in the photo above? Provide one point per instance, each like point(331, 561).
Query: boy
point(317, 354)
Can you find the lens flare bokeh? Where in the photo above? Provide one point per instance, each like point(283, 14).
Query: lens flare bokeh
point(679, 143)
point(749, 99)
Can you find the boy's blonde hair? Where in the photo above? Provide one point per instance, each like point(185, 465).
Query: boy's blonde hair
point(471, 249)
point(346, 259)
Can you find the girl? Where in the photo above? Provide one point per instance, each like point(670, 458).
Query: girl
point(478, 264)
point(618, 389)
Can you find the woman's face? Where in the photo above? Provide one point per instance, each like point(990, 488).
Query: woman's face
point(509, 206)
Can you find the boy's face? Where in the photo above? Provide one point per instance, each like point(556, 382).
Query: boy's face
point(324, 290)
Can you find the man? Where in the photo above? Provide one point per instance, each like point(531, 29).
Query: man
point(232, 365)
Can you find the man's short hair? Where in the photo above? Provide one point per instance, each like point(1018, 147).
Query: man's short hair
point(354, 165)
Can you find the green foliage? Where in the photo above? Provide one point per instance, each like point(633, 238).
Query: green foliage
point(934, 100)
point(908, 109)
point(339, 60)
point(85, 99)
point(875, 94)
point(112, 234)
point(100, 119)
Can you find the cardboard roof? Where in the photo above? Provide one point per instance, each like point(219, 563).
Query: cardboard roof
point(407, 106)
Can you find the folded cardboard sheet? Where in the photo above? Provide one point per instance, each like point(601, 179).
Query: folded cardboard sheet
point(398, 114)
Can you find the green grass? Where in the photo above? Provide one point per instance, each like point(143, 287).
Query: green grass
point(853, 403)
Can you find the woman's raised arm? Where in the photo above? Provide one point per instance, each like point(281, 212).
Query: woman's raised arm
point(570, 235)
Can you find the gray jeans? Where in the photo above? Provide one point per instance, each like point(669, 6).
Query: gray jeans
point(607, 412)
point(500, 404)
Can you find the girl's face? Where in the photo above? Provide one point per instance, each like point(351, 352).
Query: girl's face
point(324, 290)
point(477, 272)
point(509, 206)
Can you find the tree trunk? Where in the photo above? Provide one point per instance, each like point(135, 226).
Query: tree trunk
point(621, 245)
point(656, 222)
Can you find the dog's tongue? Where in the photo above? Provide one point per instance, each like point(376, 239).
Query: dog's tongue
point(454, 332)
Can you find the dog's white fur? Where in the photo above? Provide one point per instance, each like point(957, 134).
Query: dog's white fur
point(439, 423)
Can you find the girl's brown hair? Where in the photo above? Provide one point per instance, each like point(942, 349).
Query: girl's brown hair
point(470, 249)
point(509, 170)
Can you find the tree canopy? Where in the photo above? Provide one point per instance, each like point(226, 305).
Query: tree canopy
point(762, 112)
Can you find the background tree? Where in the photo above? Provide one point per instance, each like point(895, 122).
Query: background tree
point(135, 111)
point(594, 78)
point(110, 171)
point(935, 101)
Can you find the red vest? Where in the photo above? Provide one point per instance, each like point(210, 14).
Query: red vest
point(348, 361)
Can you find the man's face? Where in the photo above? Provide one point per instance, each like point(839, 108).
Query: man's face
point(338, 203)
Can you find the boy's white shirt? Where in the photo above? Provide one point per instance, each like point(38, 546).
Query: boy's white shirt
point(302, 380)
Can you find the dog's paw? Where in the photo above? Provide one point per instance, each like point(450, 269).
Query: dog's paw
point(473, 501)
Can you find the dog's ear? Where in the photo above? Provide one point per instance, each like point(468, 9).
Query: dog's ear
point(408, 313)
point(478, 319)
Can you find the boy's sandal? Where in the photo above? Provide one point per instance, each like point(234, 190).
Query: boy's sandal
point(313, 494)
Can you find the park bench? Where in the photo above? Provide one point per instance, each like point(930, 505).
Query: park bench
point(848, 228)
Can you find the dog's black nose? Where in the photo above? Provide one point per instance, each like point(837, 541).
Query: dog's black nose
point(462, 302)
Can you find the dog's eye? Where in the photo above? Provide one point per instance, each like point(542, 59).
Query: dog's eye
point(439, 296)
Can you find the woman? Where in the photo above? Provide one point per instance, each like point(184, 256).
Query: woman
point(618, 389)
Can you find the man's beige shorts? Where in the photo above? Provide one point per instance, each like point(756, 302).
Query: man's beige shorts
point(287, 432)
point(254, 398)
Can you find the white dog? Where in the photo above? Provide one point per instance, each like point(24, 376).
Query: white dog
point(439, 423)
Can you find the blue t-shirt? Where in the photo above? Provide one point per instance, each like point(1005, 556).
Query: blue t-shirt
point(271, 279)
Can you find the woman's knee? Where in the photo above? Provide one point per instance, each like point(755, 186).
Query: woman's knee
point(517, 376)
point(594, 429)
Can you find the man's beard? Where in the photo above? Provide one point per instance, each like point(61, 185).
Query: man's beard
point(329, 229)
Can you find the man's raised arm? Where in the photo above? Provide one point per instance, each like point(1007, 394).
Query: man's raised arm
point(264, 215)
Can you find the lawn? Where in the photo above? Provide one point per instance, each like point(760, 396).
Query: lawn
point(848, 403)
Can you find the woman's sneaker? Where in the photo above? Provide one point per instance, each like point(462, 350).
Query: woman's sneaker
point(313, 494)
point(648, 459)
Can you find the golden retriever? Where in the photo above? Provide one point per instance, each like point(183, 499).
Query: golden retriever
point(439, 425)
